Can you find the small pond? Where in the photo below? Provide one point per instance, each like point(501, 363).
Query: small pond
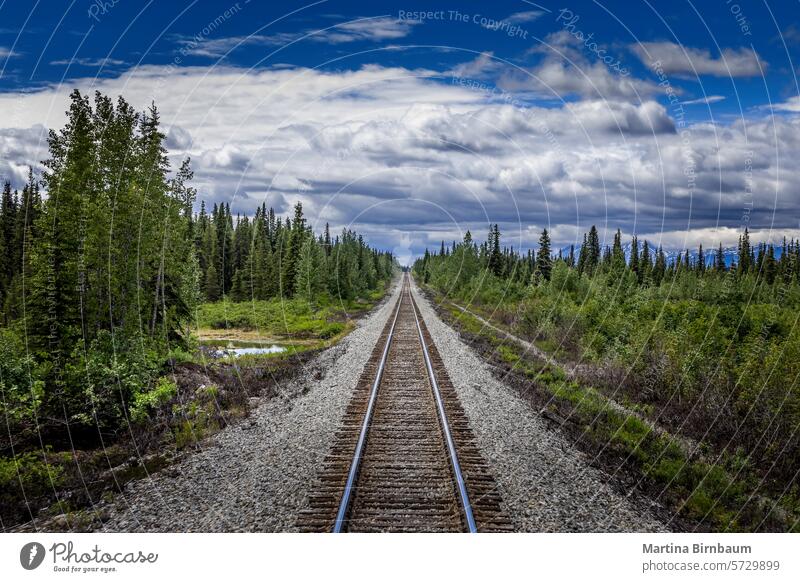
point(273, 349)
point(221, 348)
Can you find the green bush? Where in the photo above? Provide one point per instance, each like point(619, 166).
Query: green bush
point(164, 390)
point(331, 329)
point(28, 475)
point(109, 376)
point(21, 392)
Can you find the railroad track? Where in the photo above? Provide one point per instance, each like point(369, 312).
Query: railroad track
point(404, 458)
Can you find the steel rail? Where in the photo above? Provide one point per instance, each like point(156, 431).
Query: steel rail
point(352, 475)
point(466, 506)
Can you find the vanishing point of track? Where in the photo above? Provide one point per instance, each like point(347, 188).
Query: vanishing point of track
point(404, 458)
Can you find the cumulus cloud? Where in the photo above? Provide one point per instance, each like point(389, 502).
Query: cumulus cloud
point(412, 159)
point(623, 118)
point(567, 69)
point(178, 138)
point(559, 79)
point(19, 149)
point(677, 59)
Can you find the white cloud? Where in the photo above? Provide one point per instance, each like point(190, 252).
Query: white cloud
point(89, 62)
point(555, 78)
point(404, 154)
point(566, 70)
point(7, 53)
point(483, 64)
point(20, 148)
point(791, 105)
point(623, 118)
point(370, 29)
point(711, 237)
point(525, 16)
point(704, 100)
point(677, 59)
point(374, 29)
point(178, 139)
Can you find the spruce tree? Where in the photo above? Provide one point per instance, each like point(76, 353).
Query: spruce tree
point(593, 250)
point(544, 262)
point(770, 269)
point(719, 261)
point(646, 265)
point(617, 254)
point(634, 262)
point(8, 223)
point(745, 253)
point(308, 282)
point(583, 258)
point(495, 256)
point(660, 266)
point(212, 290)
point(296, 234)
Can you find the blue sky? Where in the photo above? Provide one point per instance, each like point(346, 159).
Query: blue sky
point(672, 120)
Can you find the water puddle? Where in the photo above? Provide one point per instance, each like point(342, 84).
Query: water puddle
point(273, 349)
point(222, 349)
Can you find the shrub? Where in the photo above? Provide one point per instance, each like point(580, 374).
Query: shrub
point(106, 375)
point(330, 330)
point(23, 479)
point(20, 391)
point(164, 390)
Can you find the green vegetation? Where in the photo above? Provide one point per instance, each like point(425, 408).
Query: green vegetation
point(99, 277)
point(31, 471)
point(143, 402)
point(105, 270)
point(274, 317)
point(29, 477)
point(698, 349)
point(267, 257)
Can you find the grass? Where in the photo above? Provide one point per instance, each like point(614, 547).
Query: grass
point(722, 495)
point(272, 318)
point(280, 318)
point(293, 323)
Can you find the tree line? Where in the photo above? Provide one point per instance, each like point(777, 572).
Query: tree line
point(459, 262)
point(103, 262)
point(267, 256)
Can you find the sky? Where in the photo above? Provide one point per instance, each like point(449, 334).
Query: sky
point(413, 122)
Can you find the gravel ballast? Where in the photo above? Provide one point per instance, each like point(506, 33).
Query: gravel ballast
point(547, 485)
point(256, 475)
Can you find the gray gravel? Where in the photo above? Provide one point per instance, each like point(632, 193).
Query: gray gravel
point(256, 475)
point(546, 484)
